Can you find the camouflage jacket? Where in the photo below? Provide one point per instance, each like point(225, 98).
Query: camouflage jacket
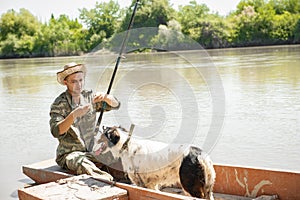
point(79, 135)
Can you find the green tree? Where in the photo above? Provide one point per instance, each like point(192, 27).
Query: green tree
point(210, 30)
point(150, 13)
point(253, 23)
point(283, 27)
point(297, 31)
point(214, 32)
point(42, 45)
point(61, 36)
point(292, 6)
point(21, 28)
point(8, 46)
point(261, 22)
point(190, 16)
point(101, 21)
point(256, 4)
point(169, 37)
point(22, 23)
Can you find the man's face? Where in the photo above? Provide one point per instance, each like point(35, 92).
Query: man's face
point(74, 83)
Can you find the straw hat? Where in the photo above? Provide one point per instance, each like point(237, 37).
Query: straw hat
point(69, 69)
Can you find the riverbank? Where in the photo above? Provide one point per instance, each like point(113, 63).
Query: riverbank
point(101, 52)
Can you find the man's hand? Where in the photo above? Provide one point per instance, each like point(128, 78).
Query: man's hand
point(107, 98)
point(65, 124)
point(81, 110)
point(100, 97)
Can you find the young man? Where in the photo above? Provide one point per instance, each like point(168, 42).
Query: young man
point(73, 117)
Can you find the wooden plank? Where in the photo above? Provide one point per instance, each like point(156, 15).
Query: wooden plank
point(140, 193)
point(254, 182)
point(137, 193)
point(219, 196)
point(45, 171)
point(76, 187)
point(23, 195)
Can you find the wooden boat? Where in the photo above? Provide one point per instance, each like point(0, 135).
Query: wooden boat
point(232, 182)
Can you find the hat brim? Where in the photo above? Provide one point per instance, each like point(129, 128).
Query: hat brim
point(71, 70)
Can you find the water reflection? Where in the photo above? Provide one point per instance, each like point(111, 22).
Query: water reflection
point(27, 75)
point(22, 84)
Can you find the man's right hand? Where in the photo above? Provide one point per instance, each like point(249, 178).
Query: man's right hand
point(65, 124)
point(81, 111)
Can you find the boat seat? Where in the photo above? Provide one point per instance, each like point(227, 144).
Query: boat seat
point(45, 171)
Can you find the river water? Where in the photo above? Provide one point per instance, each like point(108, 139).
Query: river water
point(241, 105)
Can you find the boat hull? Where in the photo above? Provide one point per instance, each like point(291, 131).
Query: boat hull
point(231, 180)
point(254, 182)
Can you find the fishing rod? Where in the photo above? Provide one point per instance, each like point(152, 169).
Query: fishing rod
point(117, 64)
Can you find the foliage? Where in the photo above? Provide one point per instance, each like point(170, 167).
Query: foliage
point(283, 27)
point(281, 6)
point(169, 37)
point(214, 32)
point(101, 21)
point(260, 22)
point(17, 32)
point(150, 13)
point(190, 16)
point(297, 31)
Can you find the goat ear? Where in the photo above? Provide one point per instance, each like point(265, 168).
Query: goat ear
point(104, 127)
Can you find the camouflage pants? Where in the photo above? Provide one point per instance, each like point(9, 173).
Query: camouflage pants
point(83, 163)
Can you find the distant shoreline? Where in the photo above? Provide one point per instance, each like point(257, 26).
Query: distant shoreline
point(154, 51)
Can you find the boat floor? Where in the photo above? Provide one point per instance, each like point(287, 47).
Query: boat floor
point(48, 171)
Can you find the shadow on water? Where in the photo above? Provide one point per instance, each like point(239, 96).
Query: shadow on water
point(14, 194)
